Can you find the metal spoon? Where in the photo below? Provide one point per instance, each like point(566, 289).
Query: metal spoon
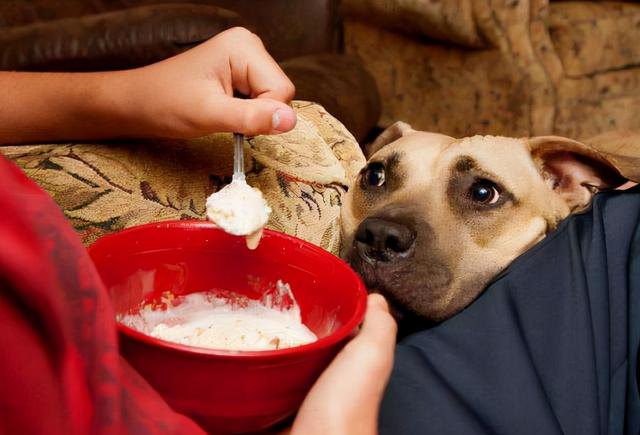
point(238, 157)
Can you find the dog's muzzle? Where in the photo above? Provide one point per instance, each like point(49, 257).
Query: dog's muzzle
point(383, 241)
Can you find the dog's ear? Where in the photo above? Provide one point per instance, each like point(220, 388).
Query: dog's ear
point(390, 134)
point(577, 170)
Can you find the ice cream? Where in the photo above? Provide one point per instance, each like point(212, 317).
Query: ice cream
point(228, 323)
point(239, 209)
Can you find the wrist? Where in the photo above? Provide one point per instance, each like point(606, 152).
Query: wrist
point(117, 104)
point(141, 102)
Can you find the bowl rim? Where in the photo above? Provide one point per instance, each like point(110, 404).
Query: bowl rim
point(339, 335)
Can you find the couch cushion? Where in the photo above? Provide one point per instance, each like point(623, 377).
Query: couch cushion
point(594, 37)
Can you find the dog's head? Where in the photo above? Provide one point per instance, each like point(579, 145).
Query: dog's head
point(431, 219)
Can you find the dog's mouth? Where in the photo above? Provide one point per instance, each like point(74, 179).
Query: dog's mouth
point(372, 271)
point(378, 277)
point(376, 282)
point(410, 286)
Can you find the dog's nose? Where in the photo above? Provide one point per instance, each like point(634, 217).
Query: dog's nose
point(382, 239)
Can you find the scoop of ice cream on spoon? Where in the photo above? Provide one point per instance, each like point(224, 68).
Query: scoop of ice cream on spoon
point(238, 208)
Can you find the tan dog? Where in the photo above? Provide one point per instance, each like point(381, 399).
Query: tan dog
point(431, 220)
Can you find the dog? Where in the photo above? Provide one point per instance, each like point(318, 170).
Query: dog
point(431, 219)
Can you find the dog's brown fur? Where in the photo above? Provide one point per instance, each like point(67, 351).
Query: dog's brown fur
point(460, 243)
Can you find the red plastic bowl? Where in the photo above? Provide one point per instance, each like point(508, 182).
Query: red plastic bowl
point(225, 391)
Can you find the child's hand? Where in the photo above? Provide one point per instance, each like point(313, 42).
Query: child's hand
point(346, 398)
point(192, 94)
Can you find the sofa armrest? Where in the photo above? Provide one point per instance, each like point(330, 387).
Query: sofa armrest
point(112, 40)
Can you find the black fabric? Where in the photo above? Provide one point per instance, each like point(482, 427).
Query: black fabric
point(550, 347)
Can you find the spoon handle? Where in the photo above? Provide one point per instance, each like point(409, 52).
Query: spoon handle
point(238, 156)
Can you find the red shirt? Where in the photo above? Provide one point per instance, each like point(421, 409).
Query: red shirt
point(60, 370)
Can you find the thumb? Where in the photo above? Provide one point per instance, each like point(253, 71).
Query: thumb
point(251, 117)
point(346, 397)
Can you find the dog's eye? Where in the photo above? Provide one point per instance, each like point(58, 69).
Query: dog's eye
point(484, 192)
point(374, 175)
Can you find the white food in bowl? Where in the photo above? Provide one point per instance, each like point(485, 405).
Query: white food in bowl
point(214, 322)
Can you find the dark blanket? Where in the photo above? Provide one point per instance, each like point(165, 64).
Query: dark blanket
point(549, 348)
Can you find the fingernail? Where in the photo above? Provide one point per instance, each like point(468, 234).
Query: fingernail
point(275, 119)
point(283, 120)
point(379, 300)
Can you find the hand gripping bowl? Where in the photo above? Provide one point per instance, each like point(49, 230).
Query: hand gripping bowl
point(226, 391)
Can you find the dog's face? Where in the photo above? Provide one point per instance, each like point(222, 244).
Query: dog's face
point(431, 219)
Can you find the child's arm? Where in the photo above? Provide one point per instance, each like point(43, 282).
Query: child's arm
point(188, 95)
